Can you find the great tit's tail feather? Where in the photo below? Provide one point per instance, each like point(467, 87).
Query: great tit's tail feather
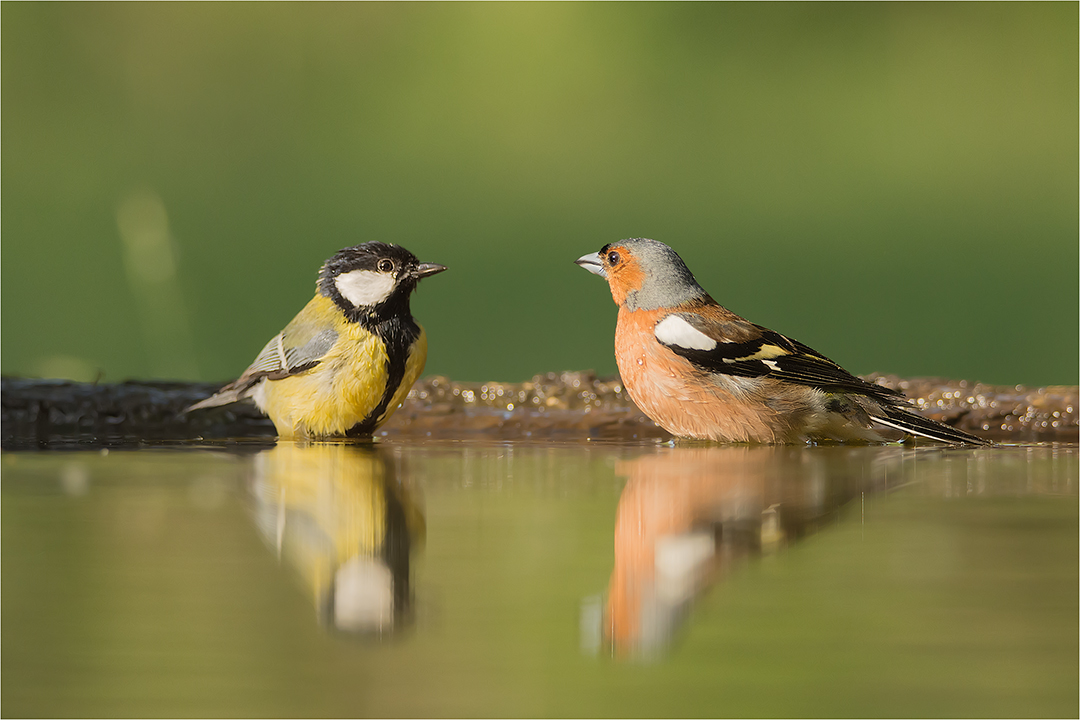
point(223, 397)
point(910, 422)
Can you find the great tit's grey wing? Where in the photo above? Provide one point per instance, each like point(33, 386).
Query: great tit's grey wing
point(281, 358)
point(733, 346)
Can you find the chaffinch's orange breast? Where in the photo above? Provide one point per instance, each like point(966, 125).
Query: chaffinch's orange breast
point(689, 402)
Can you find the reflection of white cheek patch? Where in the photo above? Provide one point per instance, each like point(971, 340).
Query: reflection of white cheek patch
point(673, 330)
point(364, 287)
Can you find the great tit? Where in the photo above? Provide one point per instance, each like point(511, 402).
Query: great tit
point(347, 361)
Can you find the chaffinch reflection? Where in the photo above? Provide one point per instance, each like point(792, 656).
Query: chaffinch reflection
point(337, 514)
point(687, 514)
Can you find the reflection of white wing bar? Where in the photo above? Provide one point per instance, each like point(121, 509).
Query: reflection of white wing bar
point(680, 564)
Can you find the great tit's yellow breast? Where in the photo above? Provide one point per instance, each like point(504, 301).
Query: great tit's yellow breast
point(336, 394)
point(345, 387)
point(366, 394)
point(361, 376)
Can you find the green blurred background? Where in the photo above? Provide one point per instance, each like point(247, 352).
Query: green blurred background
point(893, 184)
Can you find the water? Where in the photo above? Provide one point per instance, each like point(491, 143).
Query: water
point(449, 579)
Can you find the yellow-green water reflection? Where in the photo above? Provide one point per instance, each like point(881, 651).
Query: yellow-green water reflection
point(518, 579)
point(338, 515)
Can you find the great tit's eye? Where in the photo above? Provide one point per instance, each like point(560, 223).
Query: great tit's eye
point(386, 265)
point(613, 258)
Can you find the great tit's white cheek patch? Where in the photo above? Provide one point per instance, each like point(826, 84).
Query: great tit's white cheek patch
point(365, 287)
point(673, 330)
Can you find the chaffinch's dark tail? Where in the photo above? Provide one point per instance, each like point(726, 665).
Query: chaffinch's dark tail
point(903, 419)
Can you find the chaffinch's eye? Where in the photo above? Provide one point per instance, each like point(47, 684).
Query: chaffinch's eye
point(613, 258)
point(386, 265)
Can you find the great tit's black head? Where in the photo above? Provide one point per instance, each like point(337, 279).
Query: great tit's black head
point(373, 278)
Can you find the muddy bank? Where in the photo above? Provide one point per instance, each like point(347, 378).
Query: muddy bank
point(572, 406)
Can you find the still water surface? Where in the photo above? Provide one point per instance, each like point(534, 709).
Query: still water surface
point(541, 579)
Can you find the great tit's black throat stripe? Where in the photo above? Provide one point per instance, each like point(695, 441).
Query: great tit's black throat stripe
point(398, 335)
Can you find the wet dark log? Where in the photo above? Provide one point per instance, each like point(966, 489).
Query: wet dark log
point(56, 413)
point(571, 406)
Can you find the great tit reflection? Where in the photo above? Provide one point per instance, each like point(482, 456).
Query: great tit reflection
point(687, 515)
point(338, 515)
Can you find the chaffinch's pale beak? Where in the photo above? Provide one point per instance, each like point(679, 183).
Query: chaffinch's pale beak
point(593, 264)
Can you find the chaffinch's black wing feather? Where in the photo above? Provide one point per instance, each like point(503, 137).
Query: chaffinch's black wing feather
point(733, 346)
point(900, 417)
point(744, 349)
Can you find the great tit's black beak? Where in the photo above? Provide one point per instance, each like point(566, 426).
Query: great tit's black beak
point(424, 269)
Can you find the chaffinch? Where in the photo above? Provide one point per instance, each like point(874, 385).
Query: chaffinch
point(701, 371)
